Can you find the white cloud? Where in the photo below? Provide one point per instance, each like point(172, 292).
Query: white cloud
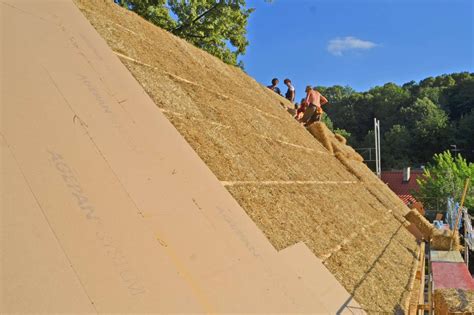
point(338, 45)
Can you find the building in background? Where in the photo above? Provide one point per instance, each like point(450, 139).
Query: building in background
point(403, 183)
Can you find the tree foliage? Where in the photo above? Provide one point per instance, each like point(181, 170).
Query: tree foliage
point(417, 119)
point(398, 153)
point(219, 27)
point(444, 178)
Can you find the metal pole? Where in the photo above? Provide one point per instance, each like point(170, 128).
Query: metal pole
point(378, 169)
point(376, 151)
point(380, 153)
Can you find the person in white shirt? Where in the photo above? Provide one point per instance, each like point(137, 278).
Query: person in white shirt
point(290, 93)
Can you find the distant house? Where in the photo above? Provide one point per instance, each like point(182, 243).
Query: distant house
point(403, 182)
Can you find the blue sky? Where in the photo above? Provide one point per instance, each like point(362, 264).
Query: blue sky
point(361, 43)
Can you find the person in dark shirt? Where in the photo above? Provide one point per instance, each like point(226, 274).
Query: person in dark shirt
point(274, 86)
point(290, 93)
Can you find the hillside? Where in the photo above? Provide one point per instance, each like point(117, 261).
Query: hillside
point(292, 187)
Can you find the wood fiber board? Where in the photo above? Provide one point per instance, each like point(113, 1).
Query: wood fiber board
point(36, 275)
point(145, 138)
point(96, 222)
point(311, 270)
point(271, 269)
point(103, 176)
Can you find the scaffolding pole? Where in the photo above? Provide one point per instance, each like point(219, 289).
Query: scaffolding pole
point(378, 165)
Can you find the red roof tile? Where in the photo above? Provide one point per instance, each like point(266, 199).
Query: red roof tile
point(394, 180)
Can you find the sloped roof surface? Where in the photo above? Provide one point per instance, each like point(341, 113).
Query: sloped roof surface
point(394, 180)
point(287, 182)
point(105, 208)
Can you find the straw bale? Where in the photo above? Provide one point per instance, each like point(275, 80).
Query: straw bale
point(322, 134)
point(340, 138)
point(418, 206)
point(332, 142)
point(344, 161)
point(291, 111)
point(423, 225)
point(329, 214)
point(347, 150)
point(360, 170)
point(356, 157)
point(234, 155)
point(454, 301)
point(388, 198)
point(242, 132)
point(374, 267)
point(364, 172)
point(414, 230)
point(441, 240)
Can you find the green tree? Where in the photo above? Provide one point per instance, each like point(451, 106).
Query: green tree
point(335, 93)
point(354, 113)
point(444, 81)
point(465, 135)
point(433, 113)
point(444, 178)
point(459, 99)
point(386, 103)
point(396, 144)
point(433, 93)
point(428, 125)
point(219, 27)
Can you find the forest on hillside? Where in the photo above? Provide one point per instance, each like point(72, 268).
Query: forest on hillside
point(417, 120)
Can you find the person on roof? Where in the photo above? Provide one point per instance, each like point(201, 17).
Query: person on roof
point(290, 93)
point(274, 86)
point(314, 111)
point(300, 109)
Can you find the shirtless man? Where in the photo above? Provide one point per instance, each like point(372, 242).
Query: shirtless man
point(313, 112)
